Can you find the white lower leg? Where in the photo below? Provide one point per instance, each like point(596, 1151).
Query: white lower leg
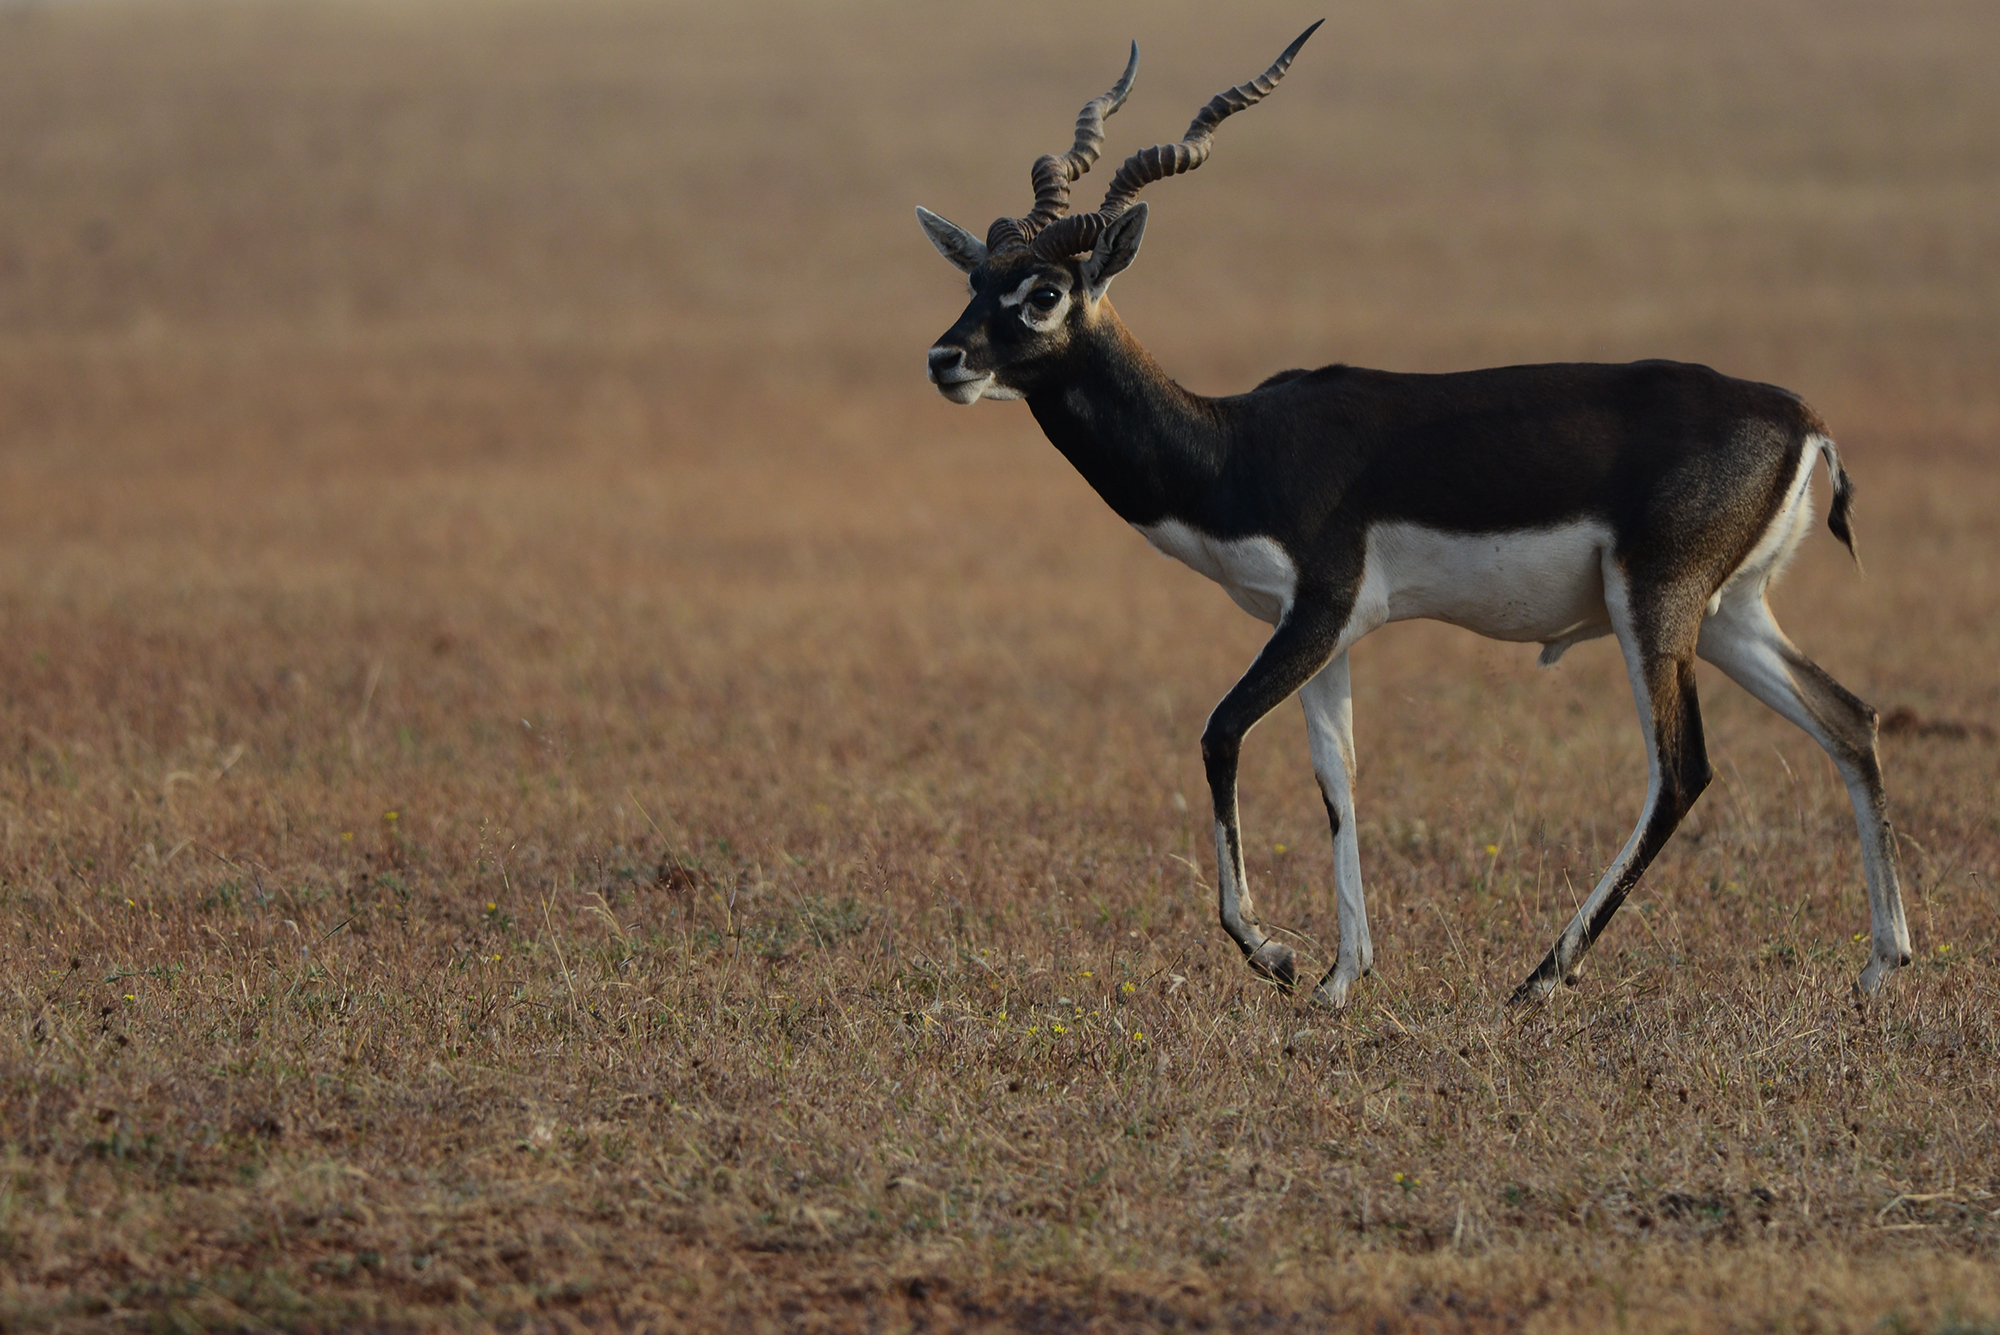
point(1560, 963)
point(1888, 931)
point(1745, 641)
point(1356, 957)
point(1239, 913)
point(1575, 938)
point(1233, 893)
point(1328, 702)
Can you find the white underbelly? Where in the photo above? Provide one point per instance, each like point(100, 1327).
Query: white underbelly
point(1255, 571)
point(1543, 585)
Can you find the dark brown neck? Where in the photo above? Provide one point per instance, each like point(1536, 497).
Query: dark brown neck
point(1150, 448)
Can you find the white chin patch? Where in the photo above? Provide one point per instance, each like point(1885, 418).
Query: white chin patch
point(965, 391)
point(993, 389)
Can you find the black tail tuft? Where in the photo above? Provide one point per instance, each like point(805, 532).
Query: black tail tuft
point(1839, 517)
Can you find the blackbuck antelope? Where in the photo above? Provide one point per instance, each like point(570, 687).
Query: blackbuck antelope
point(1655, 502)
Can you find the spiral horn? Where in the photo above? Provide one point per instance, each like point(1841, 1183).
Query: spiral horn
point(1079, 232)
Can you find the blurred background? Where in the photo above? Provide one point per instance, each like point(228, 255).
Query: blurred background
point(671, 207)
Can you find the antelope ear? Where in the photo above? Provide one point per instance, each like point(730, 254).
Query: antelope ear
point(966, 251)
point(1116, 250)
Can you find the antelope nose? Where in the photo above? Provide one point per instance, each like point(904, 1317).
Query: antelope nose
point(945, 360)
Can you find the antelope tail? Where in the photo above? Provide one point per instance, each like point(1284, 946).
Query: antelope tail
point(1840, 517)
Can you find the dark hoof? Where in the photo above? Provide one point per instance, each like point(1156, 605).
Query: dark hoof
point(1877, 973)
point(1538, 986)
point(1275, 962)
point(1541, 982)
point(1334, 987)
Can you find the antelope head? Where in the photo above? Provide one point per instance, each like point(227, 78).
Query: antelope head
point(1038, 282)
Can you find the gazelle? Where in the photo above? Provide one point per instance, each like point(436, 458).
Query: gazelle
point(1655, 502)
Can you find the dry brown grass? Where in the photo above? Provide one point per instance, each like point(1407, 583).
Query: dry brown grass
point(548, 780)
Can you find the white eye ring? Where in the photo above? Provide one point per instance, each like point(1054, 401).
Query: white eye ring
point(1042, 318)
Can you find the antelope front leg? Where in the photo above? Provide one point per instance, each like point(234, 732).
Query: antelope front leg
point(1329, 706)
point(1304, 641)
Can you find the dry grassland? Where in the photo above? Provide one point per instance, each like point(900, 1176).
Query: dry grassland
point(547, 780)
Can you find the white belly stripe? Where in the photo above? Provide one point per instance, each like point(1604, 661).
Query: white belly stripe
point(1255, 571)
point(1539, 585)
point(1542, 585)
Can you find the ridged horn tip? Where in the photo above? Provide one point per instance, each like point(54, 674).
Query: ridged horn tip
point(1123, 87)
point(1053, 235)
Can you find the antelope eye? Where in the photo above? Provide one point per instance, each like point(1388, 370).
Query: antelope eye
point(1045, 299)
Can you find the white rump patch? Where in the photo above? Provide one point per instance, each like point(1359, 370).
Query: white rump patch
point(1543, 584)
point(1256, 571)
point(1788, 527)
